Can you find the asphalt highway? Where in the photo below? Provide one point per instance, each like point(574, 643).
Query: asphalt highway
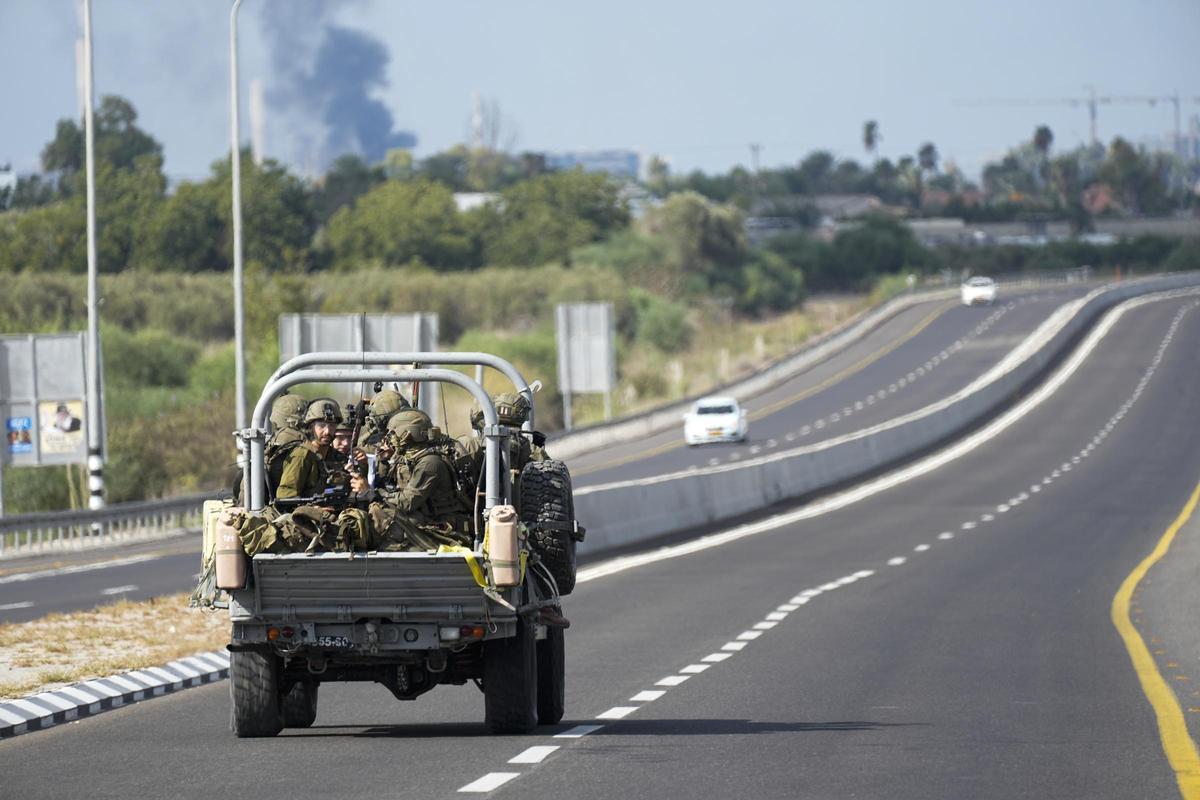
point(921, 355)
point(948, 636)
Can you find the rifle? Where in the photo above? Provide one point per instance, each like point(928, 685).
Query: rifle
point(335, 497)
point(356, 414)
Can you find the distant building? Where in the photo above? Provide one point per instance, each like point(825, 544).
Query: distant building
point(469, 201)
point(617, 163)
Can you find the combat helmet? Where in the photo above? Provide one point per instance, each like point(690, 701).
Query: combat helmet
point(512, 409)
point(409, 427)
point(385, 403)
point(288, 411)
point(323, 409)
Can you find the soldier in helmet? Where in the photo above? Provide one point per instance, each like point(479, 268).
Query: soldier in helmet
point(307, 470)
point(512, 410)
point(384, 405)
point(429, 508)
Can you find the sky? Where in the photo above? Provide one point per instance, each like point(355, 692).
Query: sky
point(695, 82)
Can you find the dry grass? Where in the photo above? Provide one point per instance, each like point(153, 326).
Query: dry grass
point(66, 648)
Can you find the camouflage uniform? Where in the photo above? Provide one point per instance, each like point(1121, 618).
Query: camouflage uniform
point(308, 471)
point(512, 410)
point(384, 405)
point(426, 506)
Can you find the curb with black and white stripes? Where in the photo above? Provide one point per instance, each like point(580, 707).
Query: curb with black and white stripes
point(89, 698)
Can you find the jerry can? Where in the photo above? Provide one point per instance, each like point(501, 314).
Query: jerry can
point(504, 546)
point(231, 556)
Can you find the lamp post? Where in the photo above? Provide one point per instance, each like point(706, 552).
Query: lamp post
point(95, 416)
point(239, 308)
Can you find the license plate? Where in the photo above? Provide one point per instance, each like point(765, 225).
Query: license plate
point(715, 431)
point(339, 642)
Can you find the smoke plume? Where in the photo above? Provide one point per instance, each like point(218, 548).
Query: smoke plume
point(323, 77)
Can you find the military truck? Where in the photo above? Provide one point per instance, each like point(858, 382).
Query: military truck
point(408, 620)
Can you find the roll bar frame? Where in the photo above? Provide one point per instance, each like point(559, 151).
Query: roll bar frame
point(253, 439)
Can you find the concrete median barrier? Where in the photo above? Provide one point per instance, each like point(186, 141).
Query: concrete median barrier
point(623, 513)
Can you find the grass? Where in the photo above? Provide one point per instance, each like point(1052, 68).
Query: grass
point(67, 648)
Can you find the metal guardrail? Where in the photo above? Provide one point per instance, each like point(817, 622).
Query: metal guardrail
point(50, 531)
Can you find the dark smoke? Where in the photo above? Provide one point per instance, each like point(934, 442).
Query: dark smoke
point(322, 82)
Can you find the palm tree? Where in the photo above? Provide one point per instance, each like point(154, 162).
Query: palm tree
point(927, 159)
point(870, 136)
point(1043, 137)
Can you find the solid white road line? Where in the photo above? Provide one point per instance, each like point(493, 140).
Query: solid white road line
point(15, 606)
point(126, 589)
point(49, 573)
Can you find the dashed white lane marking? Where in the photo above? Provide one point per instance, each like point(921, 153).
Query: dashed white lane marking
point(945, 536)
point(578, 732)
point(617, 712)
point(489, 782)
point(15, 606)
point(648, 696)
point(748, 636)
point(127, 588)
point(897, 561)
point(921, 548)
point(716, 658)
point(1003, 508)
point(986, 518)
point(765, 626)
point(672, 680)
point(694, 669)
point(966, 526)
point(534, 755)
point(734, 647)
point(786, 607)
point(779, 615)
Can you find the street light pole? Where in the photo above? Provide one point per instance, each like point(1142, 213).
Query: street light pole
point(95, 416)
point(239, 308)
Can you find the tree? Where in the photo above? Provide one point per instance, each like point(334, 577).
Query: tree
point(277, 213)
point(119, 141)
point(870, 136)
point(927, 157)
point(543, 219)
point(399, 223)
point(706, 242)
point(1043, 137)
point(348, 178)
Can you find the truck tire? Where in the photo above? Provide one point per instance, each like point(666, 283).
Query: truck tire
point(551, 670)
point(548, 510)
point(510, 683)
point(254, 690)
point(300, 706)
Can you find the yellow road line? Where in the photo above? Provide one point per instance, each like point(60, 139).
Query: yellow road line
point(781, 404)
point(1177, 743)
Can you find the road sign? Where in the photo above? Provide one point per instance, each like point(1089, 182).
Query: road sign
point(42, 386)
point(312, 333)
point(587, 360)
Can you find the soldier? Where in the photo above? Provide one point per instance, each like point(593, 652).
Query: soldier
point(308, 468)
point(512, 410)
point(287, 415)
point(429, 508)
point(384, 405)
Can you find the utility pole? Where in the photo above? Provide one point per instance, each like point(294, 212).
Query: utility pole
point(239, 307)
point(754, 151)
point(95, 417)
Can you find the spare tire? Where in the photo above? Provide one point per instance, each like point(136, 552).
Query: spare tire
point(548, 511)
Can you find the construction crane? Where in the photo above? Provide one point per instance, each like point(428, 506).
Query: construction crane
point(1092, 102)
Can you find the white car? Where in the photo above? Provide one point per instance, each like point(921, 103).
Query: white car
point(715, 419)
point(979, 291)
